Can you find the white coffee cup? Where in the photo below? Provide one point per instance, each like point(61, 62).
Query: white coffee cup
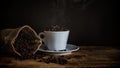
point(55, 40)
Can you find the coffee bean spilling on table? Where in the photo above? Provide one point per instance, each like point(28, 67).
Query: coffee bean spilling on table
point(55, 28)
point(42, 57)
point(54, 59)
point(26, 43)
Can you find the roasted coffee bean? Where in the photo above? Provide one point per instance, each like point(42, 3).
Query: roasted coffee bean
point(40, 60)
point(47, 60)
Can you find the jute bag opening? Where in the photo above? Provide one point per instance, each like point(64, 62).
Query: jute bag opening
point(22, 41)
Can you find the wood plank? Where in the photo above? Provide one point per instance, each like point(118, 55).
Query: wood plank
point(87, 56)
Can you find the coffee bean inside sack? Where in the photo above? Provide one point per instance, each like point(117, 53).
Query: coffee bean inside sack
point(55, 28)
point(22, 41)
point(26, 43)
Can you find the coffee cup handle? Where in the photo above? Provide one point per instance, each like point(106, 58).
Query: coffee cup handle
point(43, 39)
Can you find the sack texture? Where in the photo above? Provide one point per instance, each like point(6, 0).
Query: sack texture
point(22, 41)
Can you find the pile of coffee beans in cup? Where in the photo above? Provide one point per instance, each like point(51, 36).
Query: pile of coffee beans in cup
point(55, 28)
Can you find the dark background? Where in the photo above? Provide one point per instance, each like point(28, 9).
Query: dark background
point(90, 22)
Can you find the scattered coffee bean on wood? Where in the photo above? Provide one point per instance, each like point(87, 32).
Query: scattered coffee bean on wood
point(54, 59)
point(41, 57)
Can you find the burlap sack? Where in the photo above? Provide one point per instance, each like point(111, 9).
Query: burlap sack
point(22, 41)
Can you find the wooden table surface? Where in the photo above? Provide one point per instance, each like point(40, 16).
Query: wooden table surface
point(87, 56)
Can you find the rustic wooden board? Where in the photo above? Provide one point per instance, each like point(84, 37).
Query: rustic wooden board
point(87, 56)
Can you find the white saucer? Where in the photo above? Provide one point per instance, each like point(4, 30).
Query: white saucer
point(70, 48)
